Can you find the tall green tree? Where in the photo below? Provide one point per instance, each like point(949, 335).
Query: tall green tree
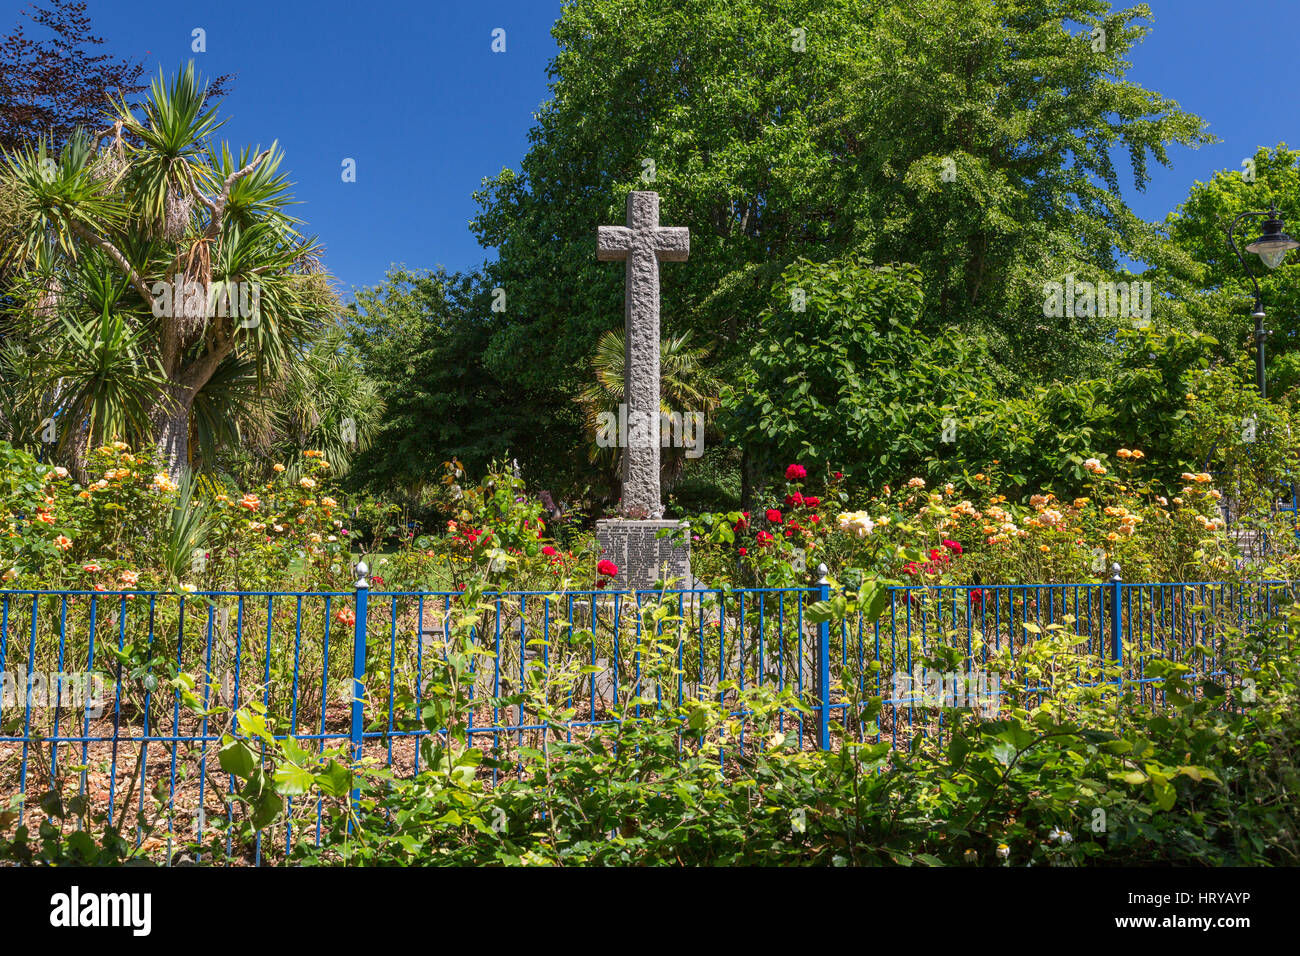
point(989, 131)
point(421, 337)
point(852, 380)
point(706, 102)
point(972, 137)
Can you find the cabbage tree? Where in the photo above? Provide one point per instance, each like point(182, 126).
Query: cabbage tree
point(195, 241)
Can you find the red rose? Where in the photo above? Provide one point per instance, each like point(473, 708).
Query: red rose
point(812, 501)
point(794, 499)
point(764, 538)
point(742, 551)
point(952, 546)
point(838, 475)
point(608, 568)
point(773, 516)
point(549, 551)
point(795, 472)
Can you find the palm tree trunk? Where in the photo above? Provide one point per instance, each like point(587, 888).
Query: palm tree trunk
point(81, 449)
point(171, 416)
point(171, 429)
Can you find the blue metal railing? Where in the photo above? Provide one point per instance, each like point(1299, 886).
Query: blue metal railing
point(288, 653)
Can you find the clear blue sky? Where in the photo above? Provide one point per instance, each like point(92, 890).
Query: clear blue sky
point(410, 89)
point(413, 92)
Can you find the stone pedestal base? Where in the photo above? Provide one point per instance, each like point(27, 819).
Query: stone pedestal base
point(643, 557)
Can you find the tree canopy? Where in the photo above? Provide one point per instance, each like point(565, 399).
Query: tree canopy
point(972, 139)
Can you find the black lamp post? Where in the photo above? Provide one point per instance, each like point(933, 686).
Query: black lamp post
point(1271, 247)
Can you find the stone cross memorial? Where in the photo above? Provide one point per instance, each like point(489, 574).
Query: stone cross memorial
point(631, 541)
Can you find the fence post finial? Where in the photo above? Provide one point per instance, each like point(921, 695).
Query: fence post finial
point(1114, 571)
point(823, 574)
point(363, 570)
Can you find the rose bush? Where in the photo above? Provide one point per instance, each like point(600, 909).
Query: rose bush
point(132, 527)
point(914, 534)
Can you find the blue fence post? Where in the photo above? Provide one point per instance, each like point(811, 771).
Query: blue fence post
point(362, 597)
point(824, 665)
point(1117, 622)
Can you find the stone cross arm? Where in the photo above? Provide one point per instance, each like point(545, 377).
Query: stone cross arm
point(643, 233)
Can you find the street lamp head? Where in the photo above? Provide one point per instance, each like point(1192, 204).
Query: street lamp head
point(1273, 245)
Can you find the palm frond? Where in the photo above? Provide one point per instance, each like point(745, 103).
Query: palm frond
point(189, 526)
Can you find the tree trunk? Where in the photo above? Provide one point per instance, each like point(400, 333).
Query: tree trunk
point(171, 416)
point(81, 449)
point(171, 429)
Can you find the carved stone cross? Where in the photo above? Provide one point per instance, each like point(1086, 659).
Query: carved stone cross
point(643, 243)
